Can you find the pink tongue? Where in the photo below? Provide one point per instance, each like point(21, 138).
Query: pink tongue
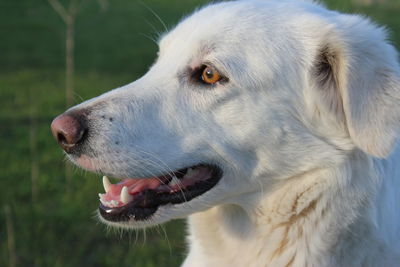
point(134, 186)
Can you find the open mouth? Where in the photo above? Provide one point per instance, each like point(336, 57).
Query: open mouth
point(138, 199)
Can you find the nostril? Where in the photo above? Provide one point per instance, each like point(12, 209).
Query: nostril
point(64, 142)
point(61, 138)
point(68, 130)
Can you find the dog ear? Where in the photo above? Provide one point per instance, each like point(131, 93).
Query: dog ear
point(358, 74)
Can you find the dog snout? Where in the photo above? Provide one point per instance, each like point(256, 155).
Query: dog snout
point(69, 130)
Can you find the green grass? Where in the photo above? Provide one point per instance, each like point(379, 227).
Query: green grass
point(58, 228)
point(113, 40)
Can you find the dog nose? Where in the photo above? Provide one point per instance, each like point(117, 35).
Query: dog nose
point(68, 130)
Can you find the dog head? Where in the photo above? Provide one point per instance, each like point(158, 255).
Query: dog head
point(242, 95)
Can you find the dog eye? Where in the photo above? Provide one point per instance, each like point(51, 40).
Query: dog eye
point(210, 75)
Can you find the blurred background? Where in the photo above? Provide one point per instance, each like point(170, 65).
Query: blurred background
point(56, 53)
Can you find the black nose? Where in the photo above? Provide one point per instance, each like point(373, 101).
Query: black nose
point(69, 130)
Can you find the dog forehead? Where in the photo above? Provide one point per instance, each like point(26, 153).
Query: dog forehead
point(200, 31)
point(237, 24)
point(217, 30)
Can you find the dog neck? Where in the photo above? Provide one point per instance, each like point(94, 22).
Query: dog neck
point(299, 223)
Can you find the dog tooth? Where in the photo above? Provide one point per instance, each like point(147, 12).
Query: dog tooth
point(125, 196)
point(113, 203)
point(105, 203)
point(106, 183)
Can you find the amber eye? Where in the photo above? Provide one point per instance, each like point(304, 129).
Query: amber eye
point(210, 75)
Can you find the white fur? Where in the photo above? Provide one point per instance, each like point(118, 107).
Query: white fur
point(311, 175)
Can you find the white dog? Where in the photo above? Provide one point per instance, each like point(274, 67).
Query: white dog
point(273, 124)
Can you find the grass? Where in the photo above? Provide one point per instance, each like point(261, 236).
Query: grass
point(58, 228)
